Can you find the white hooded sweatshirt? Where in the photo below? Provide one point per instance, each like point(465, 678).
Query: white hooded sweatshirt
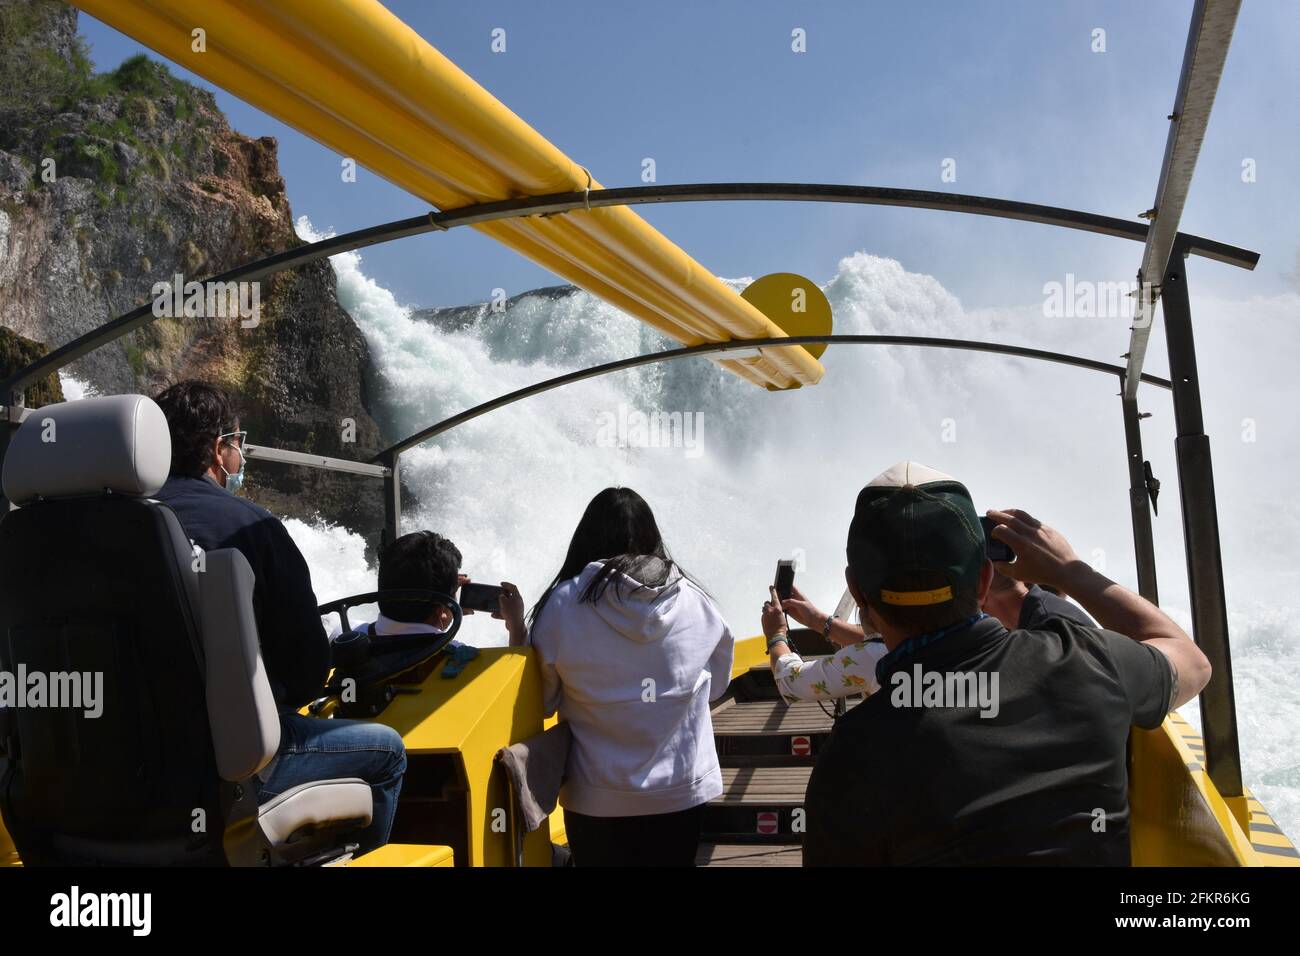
point(633, 675)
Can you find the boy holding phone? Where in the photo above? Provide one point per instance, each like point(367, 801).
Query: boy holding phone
point(429, 561)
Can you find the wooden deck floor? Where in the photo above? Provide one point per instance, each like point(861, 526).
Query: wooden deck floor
point(749, 854)
point(773, 717)
point(764, 786)
point(755, 821)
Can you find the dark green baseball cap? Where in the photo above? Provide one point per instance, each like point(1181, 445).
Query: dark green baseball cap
point(911, 520)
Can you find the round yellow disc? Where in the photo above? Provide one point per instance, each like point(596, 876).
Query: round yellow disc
point(794, 303)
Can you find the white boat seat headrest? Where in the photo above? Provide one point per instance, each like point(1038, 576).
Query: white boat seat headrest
point(117, 443)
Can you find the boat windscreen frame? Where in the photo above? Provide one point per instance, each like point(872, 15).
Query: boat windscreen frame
point(1196, 486)
point(385, 457)
point(1165, 251)
point(560, 203)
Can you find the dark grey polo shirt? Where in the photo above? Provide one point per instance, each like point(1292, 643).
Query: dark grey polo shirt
point(1043, 780)
point(1040, 606)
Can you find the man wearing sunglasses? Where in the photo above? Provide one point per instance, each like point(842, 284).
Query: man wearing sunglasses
point(207, 469)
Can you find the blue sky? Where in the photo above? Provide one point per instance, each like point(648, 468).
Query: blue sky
point(1011, 90)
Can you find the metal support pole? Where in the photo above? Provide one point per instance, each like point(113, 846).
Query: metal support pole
point(392, 502)
point(5, 431)
point(306, 460)
point(1144, 550)
point(1201, 536)
point(13, 413)
point(708, 349)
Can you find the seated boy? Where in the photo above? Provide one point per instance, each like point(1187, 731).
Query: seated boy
point(427, 561)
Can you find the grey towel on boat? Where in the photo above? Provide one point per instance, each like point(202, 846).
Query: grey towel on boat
point(536, 770)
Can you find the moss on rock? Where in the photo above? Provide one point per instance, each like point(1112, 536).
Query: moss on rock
point(18, 352)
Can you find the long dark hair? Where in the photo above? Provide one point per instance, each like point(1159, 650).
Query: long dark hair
point(619, 529)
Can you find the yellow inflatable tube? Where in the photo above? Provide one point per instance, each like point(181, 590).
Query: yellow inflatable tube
point(358, 80)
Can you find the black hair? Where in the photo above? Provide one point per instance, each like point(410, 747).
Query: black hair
point(923, 618)
point(619, 529)
point(197, 414)
point(423, 560)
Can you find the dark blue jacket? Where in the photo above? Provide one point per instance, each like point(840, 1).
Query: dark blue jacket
point(295, 649)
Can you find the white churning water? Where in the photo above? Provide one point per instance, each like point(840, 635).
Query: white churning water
point(754, 476)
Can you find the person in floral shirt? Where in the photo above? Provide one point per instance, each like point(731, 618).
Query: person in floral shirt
point(850, 670)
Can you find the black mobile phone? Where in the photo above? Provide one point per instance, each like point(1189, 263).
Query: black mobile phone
point(480, 597)
point(994, 549)
point(784, 579)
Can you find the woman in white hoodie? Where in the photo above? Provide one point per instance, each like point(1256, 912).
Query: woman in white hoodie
point(631, 651)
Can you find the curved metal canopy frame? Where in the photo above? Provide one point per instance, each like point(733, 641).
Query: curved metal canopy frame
point(1162, 276)
point(1196, 482)
point(12, 387)
point(389, 455)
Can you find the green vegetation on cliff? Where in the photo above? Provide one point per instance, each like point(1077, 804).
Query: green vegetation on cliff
point(33, 77)
point(18, 352)
point(83, 115)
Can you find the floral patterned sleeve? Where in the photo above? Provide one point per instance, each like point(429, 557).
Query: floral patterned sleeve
point(850, 670)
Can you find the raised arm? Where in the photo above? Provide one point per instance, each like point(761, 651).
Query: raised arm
point(850, 670)
point(1045, 556)
point(511, 610)
point(840, 632)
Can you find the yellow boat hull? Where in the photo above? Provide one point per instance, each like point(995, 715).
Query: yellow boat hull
point(455, 803)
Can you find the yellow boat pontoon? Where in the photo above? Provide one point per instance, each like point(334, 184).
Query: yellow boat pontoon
point(356, 79)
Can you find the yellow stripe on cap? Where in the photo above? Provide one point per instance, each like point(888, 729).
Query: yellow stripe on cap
point(916, 598)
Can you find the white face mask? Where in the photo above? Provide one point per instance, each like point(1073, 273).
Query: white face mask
point(236, 480)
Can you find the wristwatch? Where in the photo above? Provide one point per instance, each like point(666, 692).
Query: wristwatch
point(826, 628)
point(782, 638)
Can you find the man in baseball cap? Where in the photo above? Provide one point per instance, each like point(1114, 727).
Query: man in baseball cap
point(986, 746)
point(916, 546)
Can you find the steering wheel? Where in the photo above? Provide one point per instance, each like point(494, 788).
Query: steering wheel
point(372, 665)
point(395, 595)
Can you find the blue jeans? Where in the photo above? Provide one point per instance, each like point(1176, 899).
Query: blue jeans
point(316, 749)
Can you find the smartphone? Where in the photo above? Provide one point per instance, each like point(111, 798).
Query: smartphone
point(995, 550)
point(784, 582)
point(480, 597)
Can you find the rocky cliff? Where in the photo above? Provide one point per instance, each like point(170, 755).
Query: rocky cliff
point(111, 183)
point(458, 318)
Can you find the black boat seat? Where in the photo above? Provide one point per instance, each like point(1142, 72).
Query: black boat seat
point(100, 585)
point(242, 713)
